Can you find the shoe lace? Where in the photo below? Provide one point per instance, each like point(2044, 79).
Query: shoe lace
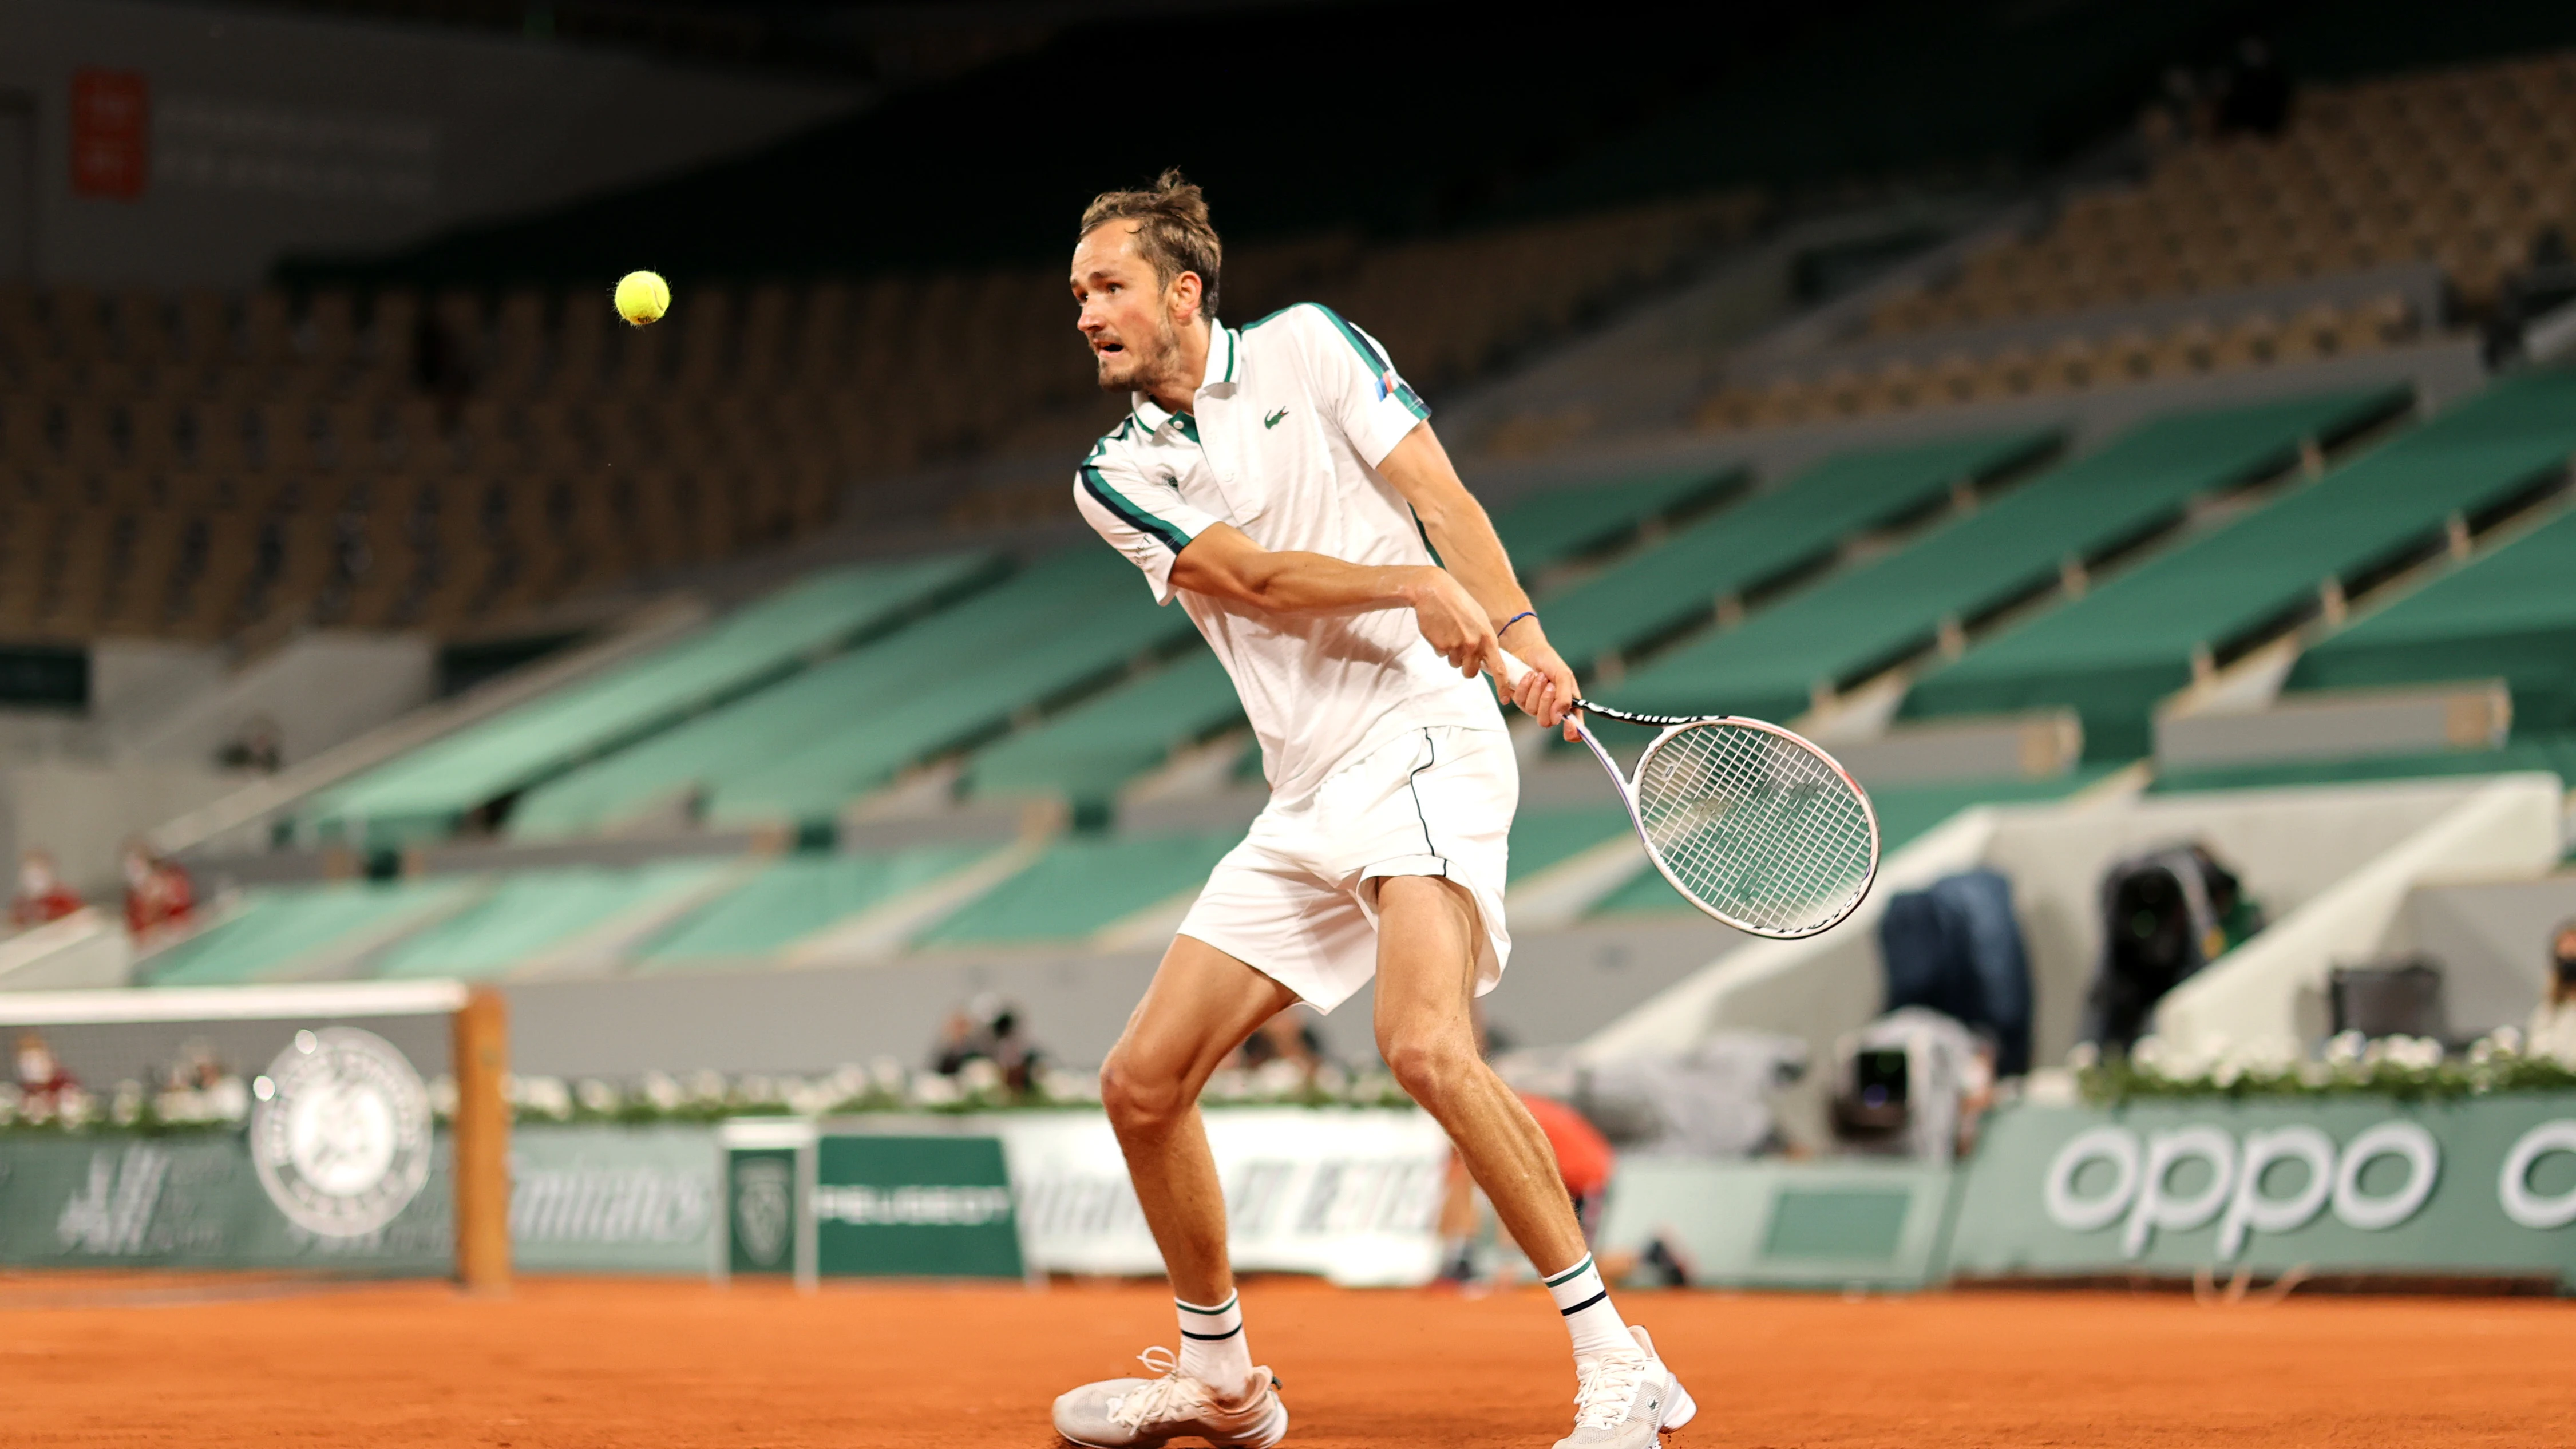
point(1169, 1396)
point(1605, 1388)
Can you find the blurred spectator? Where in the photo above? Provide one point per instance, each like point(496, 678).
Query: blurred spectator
point(1714, 1100)
point(2165, 914)
point(197, 1067)
point(2257, 98)
point(2553, 1026)
point(159, 897)
point(1584, 1161)
point(260, 746)
point(1913, 1083)
point(1291, 1037)
point(2549, 248)
point(41, 896)
point(988, 1030)
point(2173, 118)
point(2538, 291)
point(440, 366)
point(1583, 1157)
point(40, 1077)
point(1956, 947)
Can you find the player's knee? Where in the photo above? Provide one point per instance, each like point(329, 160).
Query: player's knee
point(1427, 1065)
point(1138, 1097)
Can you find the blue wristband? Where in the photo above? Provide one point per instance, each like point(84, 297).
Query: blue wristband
point(1514, 619)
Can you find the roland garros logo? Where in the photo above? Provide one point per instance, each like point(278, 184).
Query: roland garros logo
point(340, 1134)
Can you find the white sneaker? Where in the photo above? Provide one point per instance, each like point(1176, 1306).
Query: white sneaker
point(1141, 1413)
point(1624, 1399)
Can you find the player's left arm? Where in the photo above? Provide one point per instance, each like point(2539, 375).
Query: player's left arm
point(1472, 552)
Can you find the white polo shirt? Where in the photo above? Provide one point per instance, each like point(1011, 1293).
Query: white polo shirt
point(1283, 441)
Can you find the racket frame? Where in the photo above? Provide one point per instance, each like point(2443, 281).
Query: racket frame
point(1667, 726)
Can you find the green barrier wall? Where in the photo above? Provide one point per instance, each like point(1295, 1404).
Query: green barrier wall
point(888, 1206)
point(2349, 1185)
point(764, 1217)
point(194, 1200)
point(1842, 1224)
point(606, 1199)
point(2334, 1185)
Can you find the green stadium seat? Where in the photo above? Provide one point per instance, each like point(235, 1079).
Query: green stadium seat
point(2552, 751)
point(1677, 581)
point(287, 933)
point(2510, 614)
point(794, 898)
point(427, 791)
point(979, 696)
point(1086, 753)
point(1558, 525)
point(1081, 886)
point(2130, 641)
point(527, 915)
point(1543, 838)
point(1905, 814)
point(799, 749)
point(1871, 616)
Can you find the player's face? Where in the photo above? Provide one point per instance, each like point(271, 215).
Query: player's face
point(1126, 312)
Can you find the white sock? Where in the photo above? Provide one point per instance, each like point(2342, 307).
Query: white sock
point(1212, 1346)
point(1589, 1315)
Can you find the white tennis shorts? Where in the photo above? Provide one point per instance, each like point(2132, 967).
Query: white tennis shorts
point(1297, 900)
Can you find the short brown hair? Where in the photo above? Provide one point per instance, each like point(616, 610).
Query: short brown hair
point(1172, 230)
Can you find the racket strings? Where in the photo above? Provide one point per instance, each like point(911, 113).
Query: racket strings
point(1756, 826)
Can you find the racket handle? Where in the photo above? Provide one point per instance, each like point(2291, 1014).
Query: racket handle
point(1513, 670)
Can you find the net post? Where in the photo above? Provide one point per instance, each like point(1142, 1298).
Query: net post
point(482, 1143)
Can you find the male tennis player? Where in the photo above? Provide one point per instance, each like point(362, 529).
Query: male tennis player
point(1270, 477)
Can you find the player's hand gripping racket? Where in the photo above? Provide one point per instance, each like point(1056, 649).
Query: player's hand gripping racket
point(1753, 824)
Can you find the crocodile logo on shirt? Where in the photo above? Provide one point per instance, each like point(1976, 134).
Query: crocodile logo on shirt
point(1272, 421)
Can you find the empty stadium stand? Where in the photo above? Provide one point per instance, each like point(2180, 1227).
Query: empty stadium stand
point(2073, 359)
point(2463, 167)
point(306, 932)
point(712, 913)
point(2390, 213)
point(1802, 650)
point(1085, 884)
point(526, 917)
point(794, 898)
point(196, 465)
point(2504, 614)
point(2510, 614)
point(798, 751)
point(1904, 815)
point(1712, 566)
point(1090, 751)
point(432, 790)
point(2150, 630)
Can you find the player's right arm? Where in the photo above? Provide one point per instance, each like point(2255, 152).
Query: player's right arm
point(1224, 563)
point(1181, 547)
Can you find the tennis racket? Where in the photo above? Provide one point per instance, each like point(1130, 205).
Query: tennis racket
point(1752, 823)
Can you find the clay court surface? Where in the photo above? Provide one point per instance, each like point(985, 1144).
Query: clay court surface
point(682, 1365)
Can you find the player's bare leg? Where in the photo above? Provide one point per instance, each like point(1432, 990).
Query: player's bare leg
point(1428, 941)
point(1200, 1007)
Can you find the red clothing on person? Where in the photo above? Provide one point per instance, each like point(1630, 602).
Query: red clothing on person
point(166, 896)
point(54, 903)
point(1583, 1155)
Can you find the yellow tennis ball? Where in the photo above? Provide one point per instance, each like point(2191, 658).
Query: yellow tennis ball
point(643, 297)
